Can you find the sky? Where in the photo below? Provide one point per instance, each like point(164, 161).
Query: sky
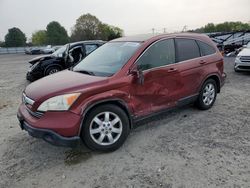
point(133, 16)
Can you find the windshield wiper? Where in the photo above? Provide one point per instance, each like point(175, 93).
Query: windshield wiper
point(85, 72)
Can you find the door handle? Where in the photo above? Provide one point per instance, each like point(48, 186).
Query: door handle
point(172, 70)
point(202, 62)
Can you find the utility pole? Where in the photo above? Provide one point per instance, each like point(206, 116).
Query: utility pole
point(153, 30)
point(164, 30)
point(184, 28)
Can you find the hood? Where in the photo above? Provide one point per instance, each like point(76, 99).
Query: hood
point(62, 82)
point(36, 59)
point(244, 52)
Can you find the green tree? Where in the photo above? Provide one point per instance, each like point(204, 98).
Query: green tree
point(56, 34)
point(39, 37)
point(224, 27)
point(209, 28)
point(87, 27)
point(109, 32)
point(2, 44)
point(15, 38)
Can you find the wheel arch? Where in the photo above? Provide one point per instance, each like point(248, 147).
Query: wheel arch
point(118, 102)
point(216, 78)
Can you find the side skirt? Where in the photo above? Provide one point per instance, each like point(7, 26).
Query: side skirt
point(187, 100)
point(182, 102)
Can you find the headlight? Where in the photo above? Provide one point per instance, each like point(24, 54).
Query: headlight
point(237, 59)
point(59, 103)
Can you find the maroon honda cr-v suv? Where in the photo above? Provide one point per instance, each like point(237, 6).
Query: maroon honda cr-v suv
point(123, 81)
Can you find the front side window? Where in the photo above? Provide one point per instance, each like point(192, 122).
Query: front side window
point(187, 49)
point(205, 48)
point(107, 59)
point(159, 54)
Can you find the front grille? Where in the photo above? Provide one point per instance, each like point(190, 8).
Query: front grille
point(35, 114)
point(28, 103)
point(27, 100)
point(245, 59)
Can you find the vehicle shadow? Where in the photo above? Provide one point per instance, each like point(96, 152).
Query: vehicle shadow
point(243, 73)
point(164, 117)
point(25, 154)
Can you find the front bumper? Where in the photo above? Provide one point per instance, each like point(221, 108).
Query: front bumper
point(242, 66)
point(31, 76)
point(56, 128)
point(49, 136)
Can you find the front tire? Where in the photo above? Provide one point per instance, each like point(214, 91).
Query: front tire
point(106, 128)
point(235, 70)
point(52, 70)
point(30, 78)
point(207, 95)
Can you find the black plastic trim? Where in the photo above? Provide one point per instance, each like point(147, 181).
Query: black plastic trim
point(49, 136)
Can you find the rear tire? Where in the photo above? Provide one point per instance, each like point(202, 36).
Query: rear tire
point(207, 95)
point(105, 128)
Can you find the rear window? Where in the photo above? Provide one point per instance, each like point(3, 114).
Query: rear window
point(205, 48)
point(187, 49)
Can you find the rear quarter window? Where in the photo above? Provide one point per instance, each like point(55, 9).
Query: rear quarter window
point(187, 49)
point(205, 48)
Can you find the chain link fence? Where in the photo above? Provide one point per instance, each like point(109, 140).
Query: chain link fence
point(14, 50)
point(18, 50)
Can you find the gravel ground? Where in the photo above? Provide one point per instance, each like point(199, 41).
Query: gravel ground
point(183, 148)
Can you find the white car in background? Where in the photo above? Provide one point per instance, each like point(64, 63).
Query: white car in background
point(48, 50)
point(242, 60)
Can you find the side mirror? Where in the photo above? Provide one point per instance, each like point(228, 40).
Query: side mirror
point(136, 71)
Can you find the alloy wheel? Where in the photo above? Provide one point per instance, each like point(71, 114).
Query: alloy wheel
point(208, 95)
point(52, 71)
point(105, 128)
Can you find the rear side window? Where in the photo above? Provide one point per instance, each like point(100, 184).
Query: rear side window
point(187, 49)
point(205, 48)
point(159, 54)
point(90, 48)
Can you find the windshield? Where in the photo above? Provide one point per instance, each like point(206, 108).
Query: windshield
point(60, 51)
point(108, 59)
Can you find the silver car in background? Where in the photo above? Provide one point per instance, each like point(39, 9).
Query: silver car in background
point(242, 60)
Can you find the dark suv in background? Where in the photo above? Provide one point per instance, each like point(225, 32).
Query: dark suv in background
point(63, 58)
point(122, 82)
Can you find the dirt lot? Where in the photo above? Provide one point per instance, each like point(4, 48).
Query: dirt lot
point(184, 148)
